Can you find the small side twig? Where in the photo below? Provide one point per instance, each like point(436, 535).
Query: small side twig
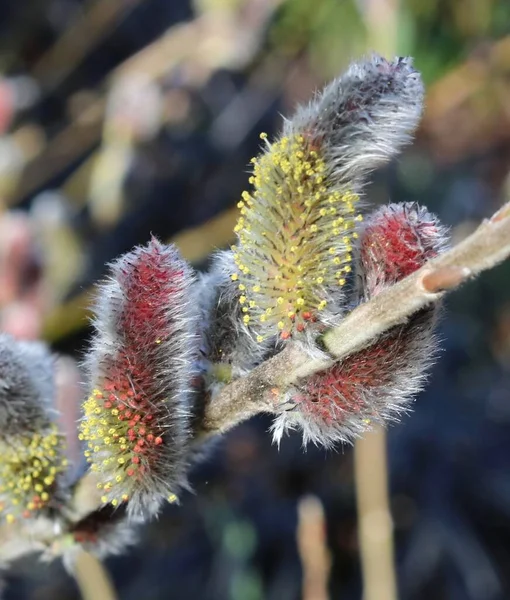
point(375, 526)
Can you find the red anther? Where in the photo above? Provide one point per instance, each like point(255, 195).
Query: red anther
point(150, 437)
point(130, 472)
point(107, 404)
point(137, 417)
point(300, 327)
point(158, 441)
point(135, 460)
point(307, 315)
point(285, 335)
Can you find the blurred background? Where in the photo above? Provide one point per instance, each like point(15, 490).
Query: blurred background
point(122, 118)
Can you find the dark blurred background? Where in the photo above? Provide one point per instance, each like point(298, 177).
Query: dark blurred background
point(122, 118)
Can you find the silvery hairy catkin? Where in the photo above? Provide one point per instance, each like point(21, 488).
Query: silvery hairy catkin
point(228, 349)
point(137, 418)
point(377, 383)
point(299, 223)
point(31, 447)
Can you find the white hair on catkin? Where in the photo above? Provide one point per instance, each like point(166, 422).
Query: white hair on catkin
point(364, 117)
point(27, 386)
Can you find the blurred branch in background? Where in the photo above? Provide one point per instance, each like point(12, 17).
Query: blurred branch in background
point(92, 578)
point(97, 20)
point(196, 49)
point(375, 524)
point(313, 550)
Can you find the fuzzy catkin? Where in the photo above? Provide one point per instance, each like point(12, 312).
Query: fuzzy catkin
point(137, 418)
point(31, 447)
point(376, 384)
point(228, 348)
point(298, 225)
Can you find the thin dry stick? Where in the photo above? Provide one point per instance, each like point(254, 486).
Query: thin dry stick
point(375, 527)
point(313, 549)
point(260, 389)
point(92, 578)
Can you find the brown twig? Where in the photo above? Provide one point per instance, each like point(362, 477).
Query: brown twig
point(260, 389)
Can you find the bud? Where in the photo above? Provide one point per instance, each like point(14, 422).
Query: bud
point(104, 532)
point(137, 418)
point(228, 347)
point(397, 240)
point(298, 225)
point(31, 448)
point(376, 384)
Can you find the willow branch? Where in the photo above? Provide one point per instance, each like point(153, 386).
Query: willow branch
point(258, 392)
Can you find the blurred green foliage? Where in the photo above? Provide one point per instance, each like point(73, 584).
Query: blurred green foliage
point(438, 33)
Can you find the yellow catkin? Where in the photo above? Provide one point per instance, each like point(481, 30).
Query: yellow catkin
point(29, 467)
point(295, 237)
point(121, 441)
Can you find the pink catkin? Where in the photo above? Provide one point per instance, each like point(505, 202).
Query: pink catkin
point(376, 383)
point(397, 241)
point(137, 417)
point(150, 283)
